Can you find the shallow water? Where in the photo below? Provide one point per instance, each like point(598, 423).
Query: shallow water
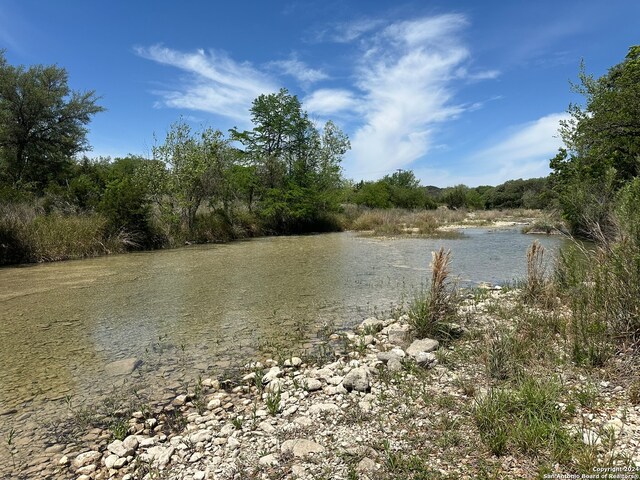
point(205, 308)
point(60, 323)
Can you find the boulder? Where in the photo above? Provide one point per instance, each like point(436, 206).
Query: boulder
point(357, 379)
point(86, 458)
point(268, 460)
point(423, 345)
point(320, 408)
point(158, 456)
point(371, 324)
point(398, 334)
point(426, 360)
point(117, 448)
point(293, 362)
point(366, 465)
point(312, 384)
point(394, 365)
point(110, 461)
point(271, 375)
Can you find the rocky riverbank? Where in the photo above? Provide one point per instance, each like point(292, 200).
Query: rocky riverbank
point(390, 406)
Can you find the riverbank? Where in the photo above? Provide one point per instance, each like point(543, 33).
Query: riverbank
point(444, 221)
point(497, 398)
point(28, 235)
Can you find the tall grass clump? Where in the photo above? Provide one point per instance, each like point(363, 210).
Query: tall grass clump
point(57, 237)
point(432, 309)
point(29, 235)
point(535, 286)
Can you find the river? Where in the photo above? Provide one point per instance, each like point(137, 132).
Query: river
point(202, 309)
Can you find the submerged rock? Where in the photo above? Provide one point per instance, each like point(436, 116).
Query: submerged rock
point(122, 367)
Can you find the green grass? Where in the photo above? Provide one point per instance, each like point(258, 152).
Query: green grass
point(524, 420)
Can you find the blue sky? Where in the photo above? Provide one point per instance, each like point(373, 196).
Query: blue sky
point(459, 92)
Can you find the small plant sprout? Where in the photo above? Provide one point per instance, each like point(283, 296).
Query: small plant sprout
point(273, 401)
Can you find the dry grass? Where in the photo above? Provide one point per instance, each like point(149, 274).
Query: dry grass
point(29, 235)
point(431, 310)
point(428, 222)
point(535, 286)
point(398, 221)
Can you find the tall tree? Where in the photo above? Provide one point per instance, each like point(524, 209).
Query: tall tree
point(42, 123)
point(282, 135)
point(602, 139)
point(298, 166)
point(194, 169)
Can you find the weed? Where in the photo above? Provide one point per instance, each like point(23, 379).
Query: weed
point(197, 398)
point(174, 421)
point(504, 356)
point(586, 395)
point(272, 401)
point(535, 285)
point(237, 422)
point(119, 428)
point(10, 445)
point(466, 385)
point(634, 392)
point(526, 420)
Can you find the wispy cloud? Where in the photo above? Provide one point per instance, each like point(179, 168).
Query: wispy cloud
point(299, 70)
point(331, 101)
point(397, 93)
point(524, 152)
point(347, 32)
point(406, 73)
point(215, 84)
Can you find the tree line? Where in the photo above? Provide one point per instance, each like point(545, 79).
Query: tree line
point(284, 174)
point(281, 176)
point(403, 190)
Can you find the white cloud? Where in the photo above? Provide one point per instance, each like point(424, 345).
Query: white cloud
point(330, 101)
point(217, 84)
point(523, 153)
point(300, 71)
point(347, 32)
point(400, 86)
point(406, 75)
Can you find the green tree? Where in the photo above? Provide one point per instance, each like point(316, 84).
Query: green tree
point(298, 166)
point(282, 139)
point(42, 123)
point(404, 190)
point(602, 139)
point(125, 202)
point(373, 194)
point(191, 170)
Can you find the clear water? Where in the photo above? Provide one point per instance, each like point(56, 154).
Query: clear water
point(204, 308)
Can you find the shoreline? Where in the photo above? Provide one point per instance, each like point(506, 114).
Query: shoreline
point(386, 405)
point(446, 221)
